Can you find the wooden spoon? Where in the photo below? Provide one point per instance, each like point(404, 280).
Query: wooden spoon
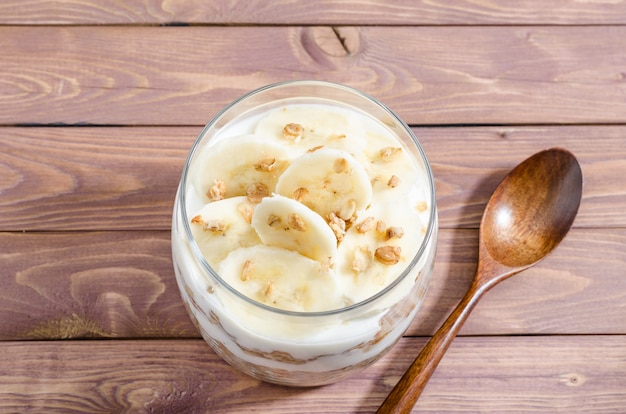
point(525, 219)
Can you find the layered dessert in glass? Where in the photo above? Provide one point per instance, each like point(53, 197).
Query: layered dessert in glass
point(304, 232)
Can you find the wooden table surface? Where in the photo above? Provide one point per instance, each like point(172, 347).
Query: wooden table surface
point(100, 102)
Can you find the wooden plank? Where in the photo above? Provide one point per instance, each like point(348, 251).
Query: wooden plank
point(543, 374)
point(121, 284)
point(81, 285)
point(91, 178)
point(323, 12)
point(183, 75)
point(468, 164)
point(556, 296)
point(126, 178)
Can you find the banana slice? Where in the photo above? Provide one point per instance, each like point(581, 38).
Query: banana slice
point(284, 222)
point(309, 126)
point(235, 166)
point(281, 278)
point(224, 226)
point(377, 248)
point(392, 172)
point(327, 181)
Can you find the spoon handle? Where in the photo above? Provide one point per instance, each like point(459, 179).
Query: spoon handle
point(406, 392)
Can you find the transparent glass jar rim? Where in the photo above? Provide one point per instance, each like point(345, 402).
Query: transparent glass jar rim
point(432, 220)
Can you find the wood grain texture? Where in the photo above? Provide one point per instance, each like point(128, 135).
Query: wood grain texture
point(468, 164)
point(555, 296)
point(378, 12)
point(81, 285)
point(428, 75)
point(96, 178)
point(100, 103)
point(121, 285)
point(126, 178)
point(569, 374)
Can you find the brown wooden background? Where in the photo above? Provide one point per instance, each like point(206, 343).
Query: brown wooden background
point(101, 100)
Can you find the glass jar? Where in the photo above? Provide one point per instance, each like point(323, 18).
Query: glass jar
point(304, 348)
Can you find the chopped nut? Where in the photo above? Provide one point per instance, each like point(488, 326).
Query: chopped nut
point(293, 132)
point(348, 210)
point(363, 259)
point(300, 193)
point(296, 222)
point(273, 220)
point(388, 255)
point(327, 264)
point(214, 226)
point(422, 206)
point(394, 181)
point(388, 153)
point(217, 191)
point(381, 227)
point(269, 289)
point(197, 219)
point(256, 192)
point(246, 211)
point(247, 270)
point(265, 165)
point(313, 149)
point(366, 225)
point(394, 233)
point(340, 165)
point(337, 225)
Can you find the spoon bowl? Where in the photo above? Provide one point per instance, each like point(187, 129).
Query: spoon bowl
point(532, 209)
point(527, 216)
